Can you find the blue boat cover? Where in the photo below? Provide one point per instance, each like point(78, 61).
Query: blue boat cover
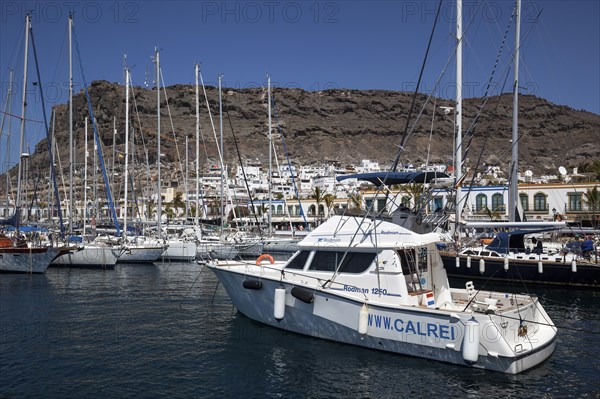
point(389, 178)
point(514, 241)
point(28, 229)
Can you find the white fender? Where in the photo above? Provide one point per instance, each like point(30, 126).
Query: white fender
point(540, 267)
point(506, 264)
point(574, 266)
point(363, 319)
point(279, 303)
point(468, 262)
point(481, 266)
point(470, 344)
point(457, 262)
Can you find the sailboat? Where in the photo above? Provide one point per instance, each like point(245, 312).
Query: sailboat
point(95, 254)
point(216, 246)
point(141, 249)
point(271, 243)
point(507, 257)
point(17, 252)
point(181, 240)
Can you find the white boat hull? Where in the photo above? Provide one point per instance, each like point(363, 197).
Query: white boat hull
point(277, 245)
point(27, 260)
point(91, 256)
point(180, 251)
point(141, 254)
point(437, 336)
point(215, 250)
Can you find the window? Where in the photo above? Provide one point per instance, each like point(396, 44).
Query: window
point(405, 202)
point(312, 210)
point(539, 202)
point(437, 204)
point(299, 260)
point(422, 259)
point(321, 210)
point(352, 262)
point(480, 202)
point(380, 205)
point(524, 201)
point(413, 261)
point(574, 201)
point(368, 203)
point(497, 202)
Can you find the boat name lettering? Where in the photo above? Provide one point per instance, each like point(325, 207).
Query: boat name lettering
point(435, 330)
point(325, 239)
point(378, 291)
point(389, 232)
point(351, 288)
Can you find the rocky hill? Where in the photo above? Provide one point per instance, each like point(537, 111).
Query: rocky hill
point(335, 125)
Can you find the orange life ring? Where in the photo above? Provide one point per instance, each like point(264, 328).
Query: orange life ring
point(263, 257)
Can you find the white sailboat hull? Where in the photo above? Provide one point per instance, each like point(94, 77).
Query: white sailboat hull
point(141, 254)
point(91, 256)
point(27, 260)
point(180, 251)
point(215, 250)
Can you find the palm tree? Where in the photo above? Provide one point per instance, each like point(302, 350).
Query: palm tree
point(493, 215)
point(413, 191)
point(170, 212)
point(329, 200)
point(592, 199)
point(318, 197)
point(592, 167)
point(178, 201)
point(238, 212)
point(356, 200)
point(151, 209)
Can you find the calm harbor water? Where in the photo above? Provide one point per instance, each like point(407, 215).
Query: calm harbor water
point(168, 330)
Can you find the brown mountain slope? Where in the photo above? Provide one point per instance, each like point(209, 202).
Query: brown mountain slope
point(338, 125)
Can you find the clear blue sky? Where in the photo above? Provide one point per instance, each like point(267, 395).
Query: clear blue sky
point(309, 44)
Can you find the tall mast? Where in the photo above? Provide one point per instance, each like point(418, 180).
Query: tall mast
point(51, 171)
point(95, 181)
point(187, 192)
point(126, 149)
point(7, 111)
point(85, 158)
point(458, 115)
point(197, 148)
point(23, 107)
point(112, 172)
point(270, 136)
point(513, 187)
point(70, 125)
point(159, 199)
point(222, 158)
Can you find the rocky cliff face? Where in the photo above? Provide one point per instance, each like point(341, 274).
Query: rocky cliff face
point(335, 125)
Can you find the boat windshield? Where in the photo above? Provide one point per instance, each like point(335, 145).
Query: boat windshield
point(298, 261)
point(343, 262)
